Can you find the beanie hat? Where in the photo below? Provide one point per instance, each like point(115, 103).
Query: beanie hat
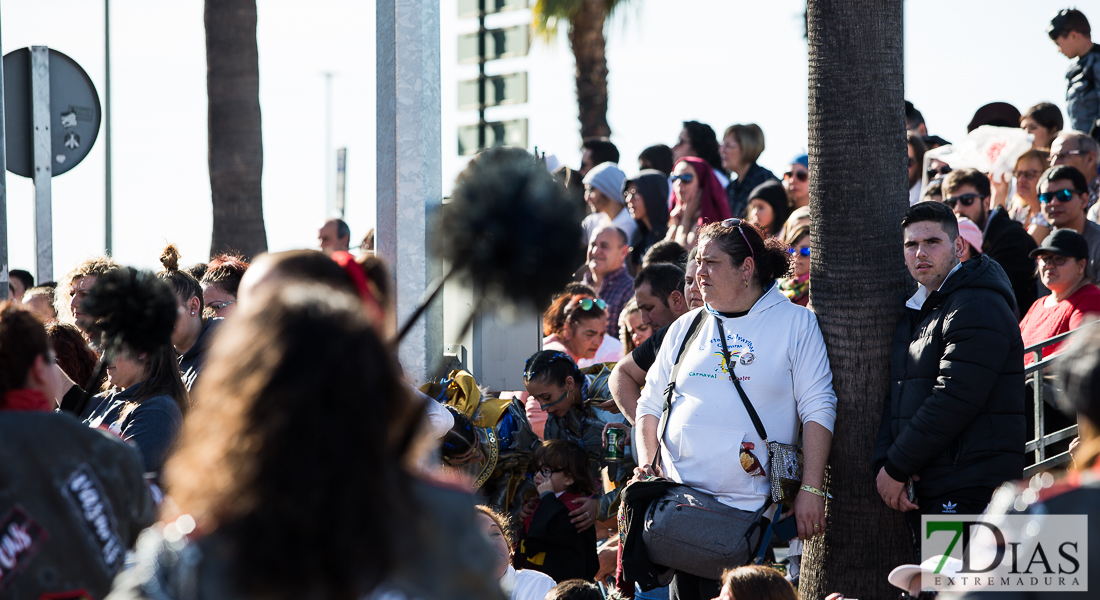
point(608, 179)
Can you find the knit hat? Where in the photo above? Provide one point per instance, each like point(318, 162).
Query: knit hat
point(772, 192)
point(970, 232)
point(608, 179)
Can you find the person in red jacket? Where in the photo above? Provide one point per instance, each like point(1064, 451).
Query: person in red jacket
point(1063, 260)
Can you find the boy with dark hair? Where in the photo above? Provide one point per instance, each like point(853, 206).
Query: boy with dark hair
point(1063, 193)
point(967, 192)
point(19, 282)
point(596, 151)
point(1070, 30)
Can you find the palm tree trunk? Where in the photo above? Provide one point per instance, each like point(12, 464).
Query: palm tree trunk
point(858, 196)
point(236, 155)
point(586, 39)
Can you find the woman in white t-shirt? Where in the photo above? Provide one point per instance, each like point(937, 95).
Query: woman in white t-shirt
point(775, 350)
point(523, 584)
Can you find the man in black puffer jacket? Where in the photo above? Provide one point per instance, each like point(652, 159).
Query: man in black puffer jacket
point(953, 422)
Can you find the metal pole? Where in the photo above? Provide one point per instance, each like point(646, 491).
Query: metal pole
point(107, 218)
point(40, 119)
point(341, 174)
point(330, 188)
point(481, 135)
point(3, 194)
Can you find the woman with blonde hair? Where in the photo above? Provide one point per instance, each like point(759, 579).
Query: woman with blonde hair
point(741, 146)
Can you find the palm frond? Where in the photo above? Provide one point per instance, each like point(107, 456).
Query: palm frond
point(548, 14)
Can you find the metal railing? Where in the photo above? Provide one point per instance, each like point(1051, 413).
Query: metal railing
point(1038, 444)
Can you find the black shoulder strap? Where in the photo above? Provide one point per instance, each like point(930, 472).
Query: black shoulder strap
point(763, 433)
point(692, 333)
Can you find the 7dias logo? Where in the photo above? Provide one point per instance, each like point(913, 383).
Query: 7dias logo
point(1047, 553)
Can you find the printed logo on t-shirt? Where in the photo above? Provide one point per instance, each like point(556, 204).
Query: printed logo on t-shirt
point(741, 350)
point(20, 538)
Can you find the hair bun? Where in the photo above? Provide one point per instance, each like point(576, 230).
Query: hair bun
point(170, 258)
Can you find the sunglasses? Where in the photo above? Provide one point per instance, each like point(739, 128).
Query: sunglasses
point(1061, 195)
point(735, 222)
point(686, 178)
point(941, 170)
point(965, 199)
point(588, 303)
point(1053, 259)
point(800, 251)
point(802, 176)
point(1029, 174)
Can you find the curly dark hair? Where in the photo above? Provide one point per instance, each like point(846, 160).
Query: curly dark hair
point(704, 142)
point(300, 417)
point(770, 255)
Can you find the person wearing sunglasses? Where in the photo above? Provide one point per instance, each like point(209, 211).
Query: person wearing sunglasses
point(1025, 208)
point(1082, 153)
point(749, 330)
point(576, 325)
point(740, 148)
point(1063, 193)
point(967, 193)
point(796, 180)
point(697, 198)
point(797, 286)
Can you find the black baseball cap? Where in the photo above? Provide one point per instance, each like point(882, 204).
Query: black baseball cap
point(1064, 242)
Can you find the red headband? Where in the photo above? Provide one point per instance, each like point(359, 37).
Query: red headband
point(359, 280)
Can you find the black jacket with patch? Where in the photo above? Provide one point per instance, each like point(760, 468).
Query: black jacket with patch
point(954, 414)
point(72, 502)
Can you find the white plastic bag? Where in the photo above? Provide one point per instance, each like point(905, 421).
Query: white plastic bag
point(989, 149)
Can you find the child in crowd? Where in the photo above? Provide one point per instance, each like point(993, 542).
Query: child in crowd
point(551, 543)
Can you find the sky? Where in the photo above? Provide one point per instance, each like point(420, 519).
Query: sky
point(716, 61)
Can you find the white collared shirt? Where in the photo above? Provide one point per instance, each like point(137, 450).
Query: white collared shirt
point(917, 301)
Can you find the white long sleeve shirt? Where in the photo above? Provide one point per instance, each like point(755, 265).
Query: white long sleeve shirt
point(779, 357)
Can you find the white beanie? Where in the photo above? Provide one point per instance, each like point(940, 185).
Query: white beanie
point(608, 179)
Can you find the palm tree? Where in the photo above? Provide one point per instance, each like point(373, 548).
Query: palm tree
point(586, 19)
point(858, 193)
point(236, 154)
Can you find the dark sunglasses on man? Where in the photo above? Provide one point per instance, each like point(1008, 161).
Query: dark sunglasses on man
point(964, 199)
point(1061, 196)
point(802, 176)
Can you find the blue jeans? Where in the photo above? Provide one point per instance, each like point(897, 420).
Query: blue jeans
point(654, 594)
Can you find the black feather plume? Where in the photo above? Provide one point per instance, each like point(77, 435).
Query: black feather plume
point(510, 231)
point(132, 308)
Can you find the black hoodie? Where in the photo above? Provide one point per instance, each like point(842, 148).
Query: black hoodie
point(954, 414)
point(653, 186)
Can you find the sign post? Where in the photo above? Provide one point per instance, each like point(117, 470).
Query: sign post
point(52, 116)
point(40, 120)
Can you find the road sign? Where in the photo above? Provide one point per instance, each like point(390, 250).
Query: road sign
point(74, 112)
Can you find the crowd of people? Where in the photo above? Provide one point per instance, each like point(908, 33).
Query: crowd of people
point(242, 428)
